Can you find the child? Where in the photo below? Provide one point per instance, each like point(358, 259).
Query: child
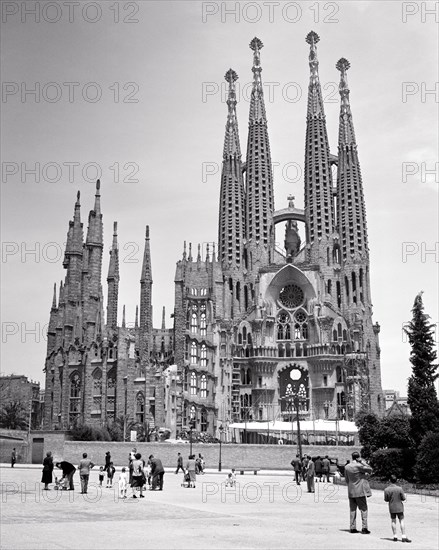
point(110, 474)
point(230, 482)
point(101, 475)
point(394, 495)
point(123, 483)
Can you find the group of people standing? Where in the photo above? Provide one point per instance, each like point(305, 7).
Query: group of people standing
point(309, 470)
point(68, 471)
point(142, 473)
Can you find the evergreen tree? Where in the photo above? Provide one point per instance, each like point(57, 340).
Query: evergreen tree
point(422, 396)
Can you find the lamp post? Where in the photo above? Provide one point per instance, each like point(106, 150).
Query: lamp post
point(221, 429)
point(299, 438)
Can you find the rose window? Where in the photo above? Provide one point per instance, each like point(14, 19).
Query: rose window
point(291, 296)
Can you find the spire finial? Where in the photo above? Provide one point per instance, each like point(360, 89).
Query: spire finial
point(199, 253)
point(184, 251)
point(123, 317)
point(231, 141)
point(147, 233)
point(312, 38)
point(78, 196)
point(98, 186)
point(207, 253)
point(163, 318)
point(190, 252)
point(343, 65)
point(346, 130)
point(213, 252)
point(256, 45)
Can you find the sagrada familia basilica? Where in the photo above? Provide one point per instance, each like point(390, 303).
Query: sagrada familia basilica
point(259, 333)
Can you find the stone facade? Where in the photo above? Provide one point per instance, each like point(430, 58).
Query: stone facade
point(260, 333)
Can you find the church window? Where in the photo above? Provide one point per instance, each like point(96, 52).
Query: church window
point(203, 423)
point(140, 408)
point(291, 296)
point(193, 383)
point(97, 390)
point(203, 320)
point(203, 386)
point(283, 326)
point(300, 326)
point(346, 284)
point(111, 394)
point(329, 286)
point(204, 356)
point(75, 398)
point(338, 294)
point(193, 353)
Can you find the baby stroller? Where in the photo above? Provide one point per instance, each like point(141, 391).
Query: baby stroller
point(61, 484)
point(187, 481)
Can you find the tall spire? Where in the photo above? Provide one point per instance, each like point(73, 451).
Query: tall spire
point(74, 254)
point(351, 207)
point(259, 175)
point(113, 282)
point(54, 296)
point(231, 223)
point(318, 176)
point(146, 266)
point(231, 141)
point(164, 318)
point(346, 129)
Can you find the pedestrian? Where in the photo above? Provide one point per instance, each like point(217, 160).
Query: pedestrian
point(190, 469)
point(47, 471)
point(138, 477)
point(297, 466)
point(101, 475)
point(355, 474)
point(304, 467)
point(310, 474)
point(179, 463)
point(318, 465)
point(68, 471)
point(107, 460)
point(84, 468)
point(157, 472)
point(394, 495)
point(110, 474)
point(201, 463)
point(131, 459)
point(13, 457)
point(326, 468)
point(123, 483)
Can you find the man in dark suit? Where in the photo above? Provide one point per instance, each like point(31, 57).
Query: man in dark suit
point(157, 472)
point(297, 465)
point(355, 474)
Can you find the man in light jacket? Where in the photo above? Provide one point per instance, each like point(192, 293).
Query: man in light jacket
point(355, 474)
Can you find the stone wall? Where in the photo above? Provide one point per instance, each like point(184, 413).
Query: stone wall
point(272, 457)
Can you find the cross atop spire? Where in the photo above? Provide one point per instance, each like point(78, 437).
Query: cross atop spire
point(231, 140)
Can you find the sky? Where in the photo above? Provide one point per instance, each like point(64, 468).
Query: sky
point(134, 92)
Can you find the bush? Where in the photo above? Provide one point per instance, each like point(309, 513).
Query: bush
point(427, 460)
point(394, 433)
point(89, 433)
point(398, 462)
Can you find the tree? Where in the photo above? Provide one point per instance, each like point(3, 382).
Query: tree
point(426, 469)
point(422, 397)
point(394, 432)
point(368, 425)
point(14, 416)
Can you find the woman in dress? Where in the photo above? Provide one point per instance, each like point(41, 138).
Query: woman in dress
point(138, 477)
point(47, 471)
point(190, 469)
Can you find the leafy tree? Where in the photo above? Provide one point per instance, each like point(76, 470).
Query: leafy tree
point(368, 425)
point(394, 432)
point(14, 416)
point(422, 397)
point(427, 460)
point(89, 433)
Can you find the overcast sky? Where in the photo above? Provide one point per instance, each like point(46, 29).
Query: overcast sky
point(133, 90)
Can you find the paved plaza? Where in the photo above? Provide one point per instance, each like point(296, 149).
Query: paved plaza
point(263, 511)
